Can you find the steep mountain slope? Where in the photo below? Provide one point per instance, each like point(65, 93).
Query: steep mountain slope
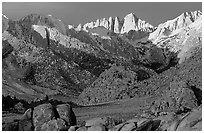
point(58, 62)
point(185, 35)
point(43, 58)
point(115, 83)
point(186, 47)
point(171, 26)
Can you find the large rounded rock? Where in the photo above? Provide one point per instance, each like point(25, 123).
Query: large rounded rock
point(138, 120)
point(108, 122)
point(73, 128)
point(129, 127)
point(66, 113)
point(155, 125)
point(192, 121)
point(54, 125)
point(117, 127)
point(95, 121)
point(136, 124)
point(144, 125)
point(82, 128)
point(42, 114)
point(165, 121)
point(97, 128)
point(173, 125)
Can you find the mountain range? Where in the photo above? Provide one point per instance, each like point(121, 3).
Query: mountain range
point(43, 56)
point(144, 77)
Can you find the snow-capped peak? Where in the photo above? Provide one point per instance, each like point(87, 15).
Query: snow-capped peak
point(170, 26)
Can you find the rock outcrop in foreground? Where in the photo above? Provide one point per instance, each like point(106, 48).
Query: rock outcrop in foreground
point(46, 117)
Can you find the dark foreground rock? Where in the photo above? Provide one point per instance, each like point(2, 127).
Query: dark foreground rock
point(66, 113)
point(46, 117)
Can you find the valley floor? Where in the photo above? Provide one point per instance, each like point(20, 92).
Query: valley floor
point(124, 109)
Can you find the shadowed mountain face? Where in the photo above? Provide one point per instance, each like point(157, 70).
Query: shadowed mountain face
point(42, 56)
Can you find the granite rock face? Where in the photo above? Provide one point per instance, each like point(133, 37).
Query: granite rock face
point(66, 113)
point(114, 24)
point(42, 114)
point(167, 28)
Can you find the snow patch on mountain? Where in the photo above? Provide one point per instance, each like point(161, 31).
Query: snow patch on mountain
point(40, 30)
point(173, 26)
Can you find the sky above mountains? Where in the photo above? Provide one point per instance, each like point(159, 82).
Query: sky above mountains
point(83, 12)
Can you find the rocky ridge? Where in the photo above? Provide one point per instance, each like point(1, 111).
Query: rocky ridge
point(171, 26)
point(114, 24)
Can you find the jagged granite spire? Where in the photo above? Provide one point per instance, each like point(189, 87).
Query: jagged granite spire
point(130, 22)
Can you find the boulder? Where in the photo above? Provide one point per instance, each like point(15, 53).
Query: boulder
point(144, 125)
point(42, 114)
point(173, 125)
point(117, 127)
point(25, 125)
point(106, 121)
point(84, 128)
point(165, 121)
point(192, 121)
point(155, 125)
point(138, 124)
point(95, 121)
point(97, 128)
point(66, 113)
point(6, 49)
point(73, 128)
point(27, 115)
point(13, 126)
point(54, 125)
point(129, 127)
point(138, 120)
